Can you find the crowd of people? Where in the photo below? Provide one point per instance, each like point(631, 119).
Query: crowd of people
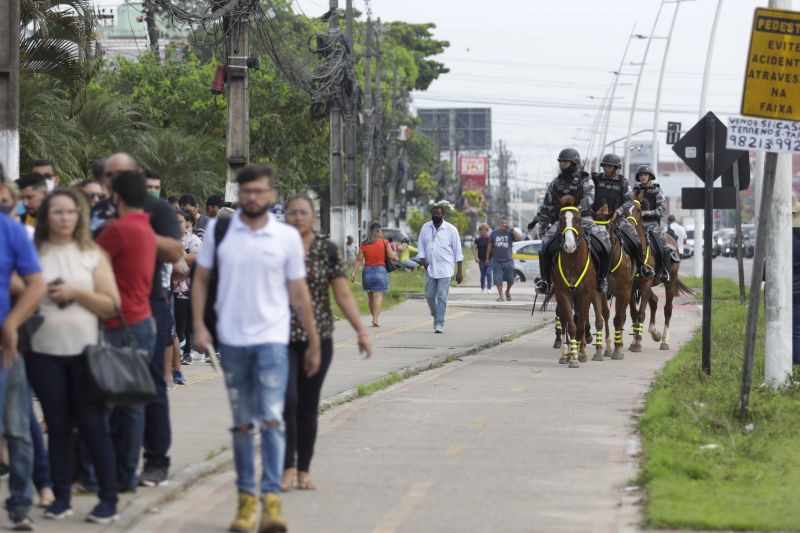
point(111, 261)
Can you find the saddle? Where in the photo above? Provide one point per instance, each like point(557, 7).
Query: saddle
point(597, 250)
point(628, 238)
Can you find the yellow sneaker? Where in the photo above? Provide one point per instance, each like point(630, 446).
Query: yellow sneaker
point(245, 514)
point(271, 519)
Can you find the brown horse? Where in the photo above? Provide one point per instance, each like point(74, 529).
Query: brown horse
point(645, 287)
point(574, 281)
point(620, 285)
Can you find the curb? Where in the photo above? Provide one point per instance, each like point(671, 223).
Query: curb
point(151, 501)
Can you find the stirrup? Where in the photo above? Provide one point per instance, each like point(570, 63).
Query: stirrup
point(542, 287)
point(647, 271)
point(665, 277)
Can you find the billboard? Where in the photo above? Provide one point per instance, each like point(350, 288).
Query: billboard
point(473, 127)
point(472, 171)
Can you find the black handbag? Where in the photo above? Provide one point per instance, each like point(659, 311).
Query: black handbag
point(390, 266)
point(119, 375)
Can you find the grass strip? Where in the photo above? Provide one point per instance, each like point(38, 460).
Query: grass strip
point(704, 468)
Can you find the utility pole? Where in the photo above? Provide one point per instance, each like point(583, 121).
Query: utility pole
point(351, 140)
point(337, 170)
point(237, 149)
point(377, 161)
point(150, 19)
point(9, 88)
point(617, 74)
point(369, 145)
point(391, 170)
point(660, 85)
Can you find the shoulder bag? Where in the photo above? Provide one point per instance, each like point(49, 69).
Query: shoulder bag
point(390, 266)
point(119, 375)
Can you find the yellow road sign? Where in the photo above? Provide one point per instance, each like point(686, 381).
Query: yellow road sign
point(772, 79)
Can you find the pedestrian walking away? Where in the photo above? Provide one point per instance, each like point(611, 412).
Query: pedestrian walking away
point(441, 256)
point(20, 278)
point(323, 272)
point(479, 247)
point(81, 289)
point(499, 255)
point(374, 254)
point(259, 270)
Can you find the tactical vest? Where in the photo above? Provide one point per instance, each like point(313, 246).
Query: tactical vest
point(608, 192)
point(572, 186)
point(651, 197)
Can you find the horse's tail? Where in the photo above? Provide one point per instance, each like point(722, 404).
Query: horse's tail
point(683, 288)
point(546, 301)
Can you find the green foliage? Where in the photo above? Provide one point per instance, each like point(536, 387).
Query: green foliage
point(416, 40)
point(426, 186)
point(415, 218)
point(703, 468)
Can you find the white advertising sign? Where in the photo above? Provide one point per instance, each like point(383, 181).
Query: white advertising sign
point(763, 134)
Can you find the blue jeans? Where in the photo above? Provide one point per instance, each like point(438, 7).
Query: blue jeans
point(157, 429)
point(41, 464)
point(486, 275)
point(15, 399)
point(436, 291)
point(127, 421)
point(256, 378)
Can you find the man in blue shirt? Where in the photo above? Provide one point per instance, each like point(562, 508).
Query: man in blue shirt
point(18, 261)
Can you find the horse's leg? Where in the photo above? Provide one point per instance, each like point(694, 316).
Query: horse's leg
point(653, 310)
point(606, 321)
point(557, 342)
point(619, 322)
point(600, 305)
point(564, 314)
point(582, 303)
point(638, 321)
point(672, 290)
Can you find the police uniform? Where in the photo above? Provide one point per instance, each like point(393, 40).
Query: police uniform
point(653, 207)
point(577, 183)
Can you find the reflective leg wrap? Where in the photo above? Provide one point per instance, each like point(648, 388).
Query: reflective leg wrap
point(598, 339)
point(558, 326)
point(573, 346)
point(638, 329)
point(617, 336)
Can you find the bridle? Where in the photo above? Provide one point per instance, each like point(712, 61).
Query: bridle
point(578, 236)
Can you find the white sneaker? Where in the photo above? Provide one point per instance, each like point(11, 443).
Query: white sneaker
point(438, 329)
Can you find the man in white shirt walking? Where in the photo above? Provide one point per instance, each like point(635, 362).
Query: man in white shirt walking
point(440, 253)
point(259, 266)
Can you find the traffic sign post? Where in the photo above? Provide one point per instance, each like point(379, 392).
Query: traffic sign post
point(708, 238)
point(771, 91)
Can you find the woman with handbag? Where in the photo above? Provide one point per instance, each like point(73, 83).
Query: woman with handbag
point(376, 255)
point(324, 271)
point(81, 290)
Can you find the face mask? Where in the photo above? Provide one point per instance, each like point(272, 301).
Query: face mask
point(50, 184)
point(437, 220)
point(154, 194)
point(21, 209)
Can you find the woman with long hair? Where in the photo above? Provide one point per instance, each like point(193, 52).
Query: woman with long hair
point(81, 291)
point(324, 271)
point(375, 278)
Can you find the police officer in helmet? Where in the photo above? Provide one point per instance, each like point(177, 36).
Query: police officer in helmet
point(574, 182)
point(653, 208)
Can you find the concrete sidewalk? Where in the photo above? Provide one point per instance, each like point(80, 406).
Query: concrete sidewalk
point(201, 416)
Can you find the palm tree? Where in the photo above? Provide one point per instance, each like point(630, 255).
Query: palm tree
point(57, 38)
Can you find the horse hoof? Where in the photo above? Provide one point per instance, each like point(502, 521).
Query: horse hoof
point(557, 344)
point(573, 363)
point(656, 336)
point(563, 361)
point(618, 356)
point(608, 353)
point(664, 346)
point(634, 348)
point(598, 357)
point(583, 358)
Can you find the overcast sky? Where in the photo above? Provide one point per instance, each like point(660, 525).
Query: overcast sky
point(536, 63)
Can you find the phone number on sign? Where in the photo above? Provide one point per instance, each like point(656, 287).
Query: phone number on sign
point(763, 143)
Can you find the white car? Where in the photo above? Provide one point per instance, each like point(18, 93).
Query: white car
point(526, 260)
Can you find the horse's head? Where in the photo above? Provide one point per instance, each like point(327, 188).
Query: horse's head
point(602, 214)
point(635, 212)
point(570, 219)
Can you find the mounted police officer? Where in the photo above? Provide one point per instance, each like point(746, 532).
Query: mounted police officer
point(572, 181)
point(612, 189)
point(653, 208)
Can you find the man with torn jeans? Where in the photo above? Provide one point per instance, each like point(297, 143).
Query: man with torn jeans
point(17, 256)
point(260, 272)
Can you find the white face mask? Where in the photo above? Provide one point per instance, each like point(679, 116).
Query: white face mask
point(51, 184)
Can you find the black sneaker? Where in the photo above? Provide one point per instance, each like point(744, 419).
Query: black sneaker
point(665, 276)
point(186, 359)
point(103, 513)
point(647, 271)
point(19, 522)
point(58, 510)
point(154, 477)
point(542, 287)
point(602, 286)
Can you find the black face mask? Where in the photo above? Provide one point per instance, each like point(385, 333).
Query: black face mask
point(437, 221)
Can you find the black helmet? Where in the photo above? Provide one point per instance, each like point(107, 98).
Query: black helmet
point(612, 160)
point(570, 154)
point(645, 169)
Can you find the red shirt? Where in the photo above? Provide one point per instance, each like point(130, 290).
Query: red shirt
point(131, 243)
point(375, 253)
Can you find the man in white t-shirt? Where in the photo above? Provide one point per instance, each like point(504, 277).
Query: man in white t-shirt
point(260, 265)
point(677, 231)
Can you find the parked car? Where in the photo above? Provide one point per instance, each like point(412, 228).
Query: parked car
point(748, 244)
point(724, 235)
point(526, 259)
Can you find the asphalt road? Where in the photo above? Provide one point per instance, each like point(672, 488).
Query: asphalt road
point(722, 267)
